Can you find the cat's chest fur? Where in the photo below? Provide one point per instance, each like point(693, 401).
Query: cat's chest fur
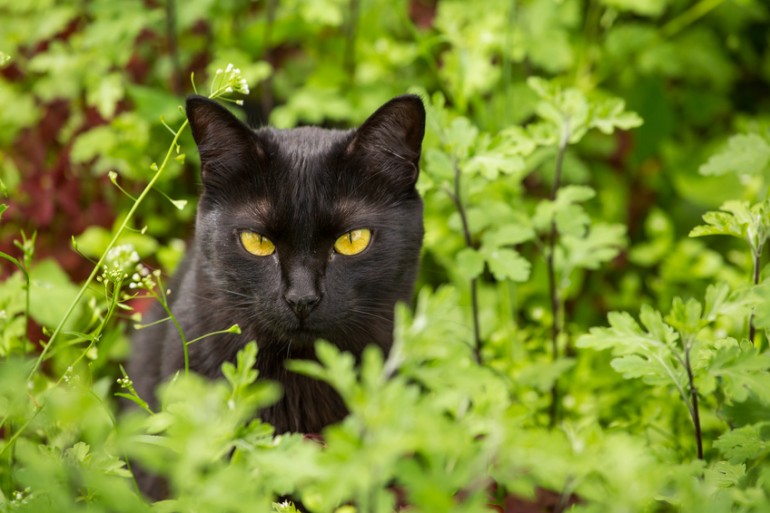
point(300, 235)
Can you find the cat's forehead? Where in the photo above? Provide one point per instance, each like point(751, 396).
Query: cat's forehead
point(306, 144)
point(326, 210)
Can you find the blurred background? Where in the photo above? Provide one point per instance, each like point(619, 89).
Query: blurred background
point(667, 105)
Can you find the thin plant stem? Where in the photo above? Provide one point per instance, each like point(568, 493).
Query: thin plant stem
point(118, 233)
point(98, 333)
point(10, 443)
point(25, 273)
point(162, 299)
point(689, 17)
point(553, 291)
point(694, 411)
point(457, 199)
point(757, 263)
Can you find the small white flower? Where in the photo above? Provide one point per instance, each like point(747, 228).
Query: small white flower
point(118, 261)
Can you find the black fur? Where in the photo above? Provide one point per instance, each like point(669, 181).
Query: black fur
point(302, 188)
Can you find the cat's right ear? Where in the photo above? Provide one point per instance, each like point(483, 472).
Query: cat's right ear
point(224, 142)
point(392, 136)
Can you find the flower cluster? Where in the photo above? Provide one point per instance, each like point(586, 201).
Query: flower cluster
point(69, 377)
point(228, 81)
point(125, 382)
point(21, 497)
point(117, 263)
point(142, 278)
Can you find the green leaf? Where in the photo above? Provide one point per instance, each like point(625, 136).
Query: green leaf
point(542, 375)
point(743, 371)
point(570, 218)
point(95, 239)
point(608, 114)
point(724, 475)
point(93, 143)
point(507, 264)
point(759, 299)
point(334, 366)
point(106, 95)
point(651, 370)
point(601, 244)
point(744, 154)
point(716, 301)
point(459, 137)
point(744, 443)
point(686, 316)
point(154, 103)
point(658, 241)
point(470, 263)
point(507, 235)
point(734, 221)
point(178, 204)
point(51, 293)
point(438, 165)
point(242, 374)
point(491, 165)
point(645, 351)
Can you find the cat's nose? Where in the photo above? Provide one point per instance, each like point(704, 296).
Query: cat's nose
point(302, 302)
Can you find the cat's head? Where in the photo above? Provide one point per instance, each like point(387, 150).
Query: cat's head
point(310, 233)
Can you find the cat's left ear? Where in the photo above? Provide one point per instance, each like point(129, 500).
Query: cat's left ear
point(224, 142)
point(393, 136)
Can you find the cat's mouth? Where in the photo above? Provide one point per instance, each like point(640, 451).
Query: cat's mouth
point(304, 332)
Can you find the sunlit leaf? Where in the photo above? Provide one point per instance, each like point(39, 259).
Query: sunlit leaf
point(744, 443)
point(745, 153)
point(743, 371)
point(507, 264)
point(470, 263)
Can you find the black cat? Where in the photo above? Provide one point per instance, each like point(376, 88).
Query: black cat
point(301, 235)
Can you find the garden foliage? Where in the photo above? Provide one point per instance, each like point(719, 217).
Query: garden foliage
point(579, 340)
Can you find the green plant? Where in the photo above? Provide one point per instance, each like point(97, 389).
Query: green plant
point(547, 205)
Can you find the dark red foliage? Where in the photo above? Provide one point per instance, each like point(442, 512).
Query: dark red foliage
point(52, 198)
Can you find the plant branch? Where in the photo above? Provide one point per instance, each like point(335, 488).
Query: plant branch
point(689, 17)
point(21, 266)
point(457, 199)
point(694, 399)
point(757, 263)
point(118, 233)
point(553, 291)
point(161, 298)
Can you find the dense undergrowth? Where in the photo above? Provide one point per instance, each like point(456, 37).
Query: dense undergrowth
point(578, 339)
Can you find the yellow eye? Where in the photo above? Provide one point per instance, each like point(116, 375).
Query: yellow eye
point(353, 242)
point(257, 244)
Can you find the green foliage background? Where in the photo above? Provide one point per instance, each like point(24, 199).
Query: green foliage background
point(578, 339)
